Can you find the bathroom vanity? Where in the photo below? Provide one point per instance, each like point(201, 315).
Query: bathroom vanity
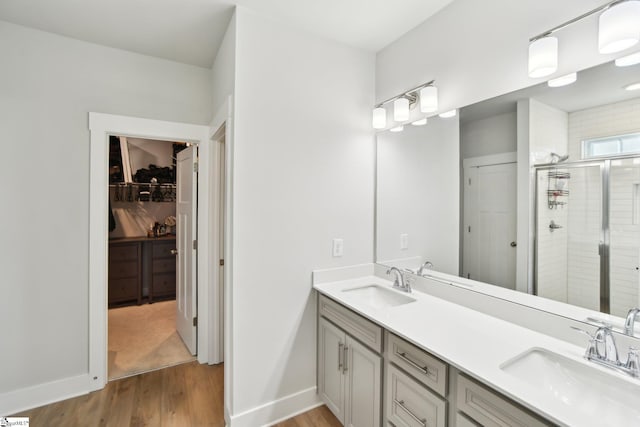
point(389, 358)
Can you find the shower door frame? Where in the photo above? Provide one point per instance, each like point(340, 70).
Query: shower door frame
point(604, 246)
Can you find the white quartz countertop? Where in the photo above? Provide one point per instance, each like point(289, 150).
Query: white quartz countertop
point(477, 344)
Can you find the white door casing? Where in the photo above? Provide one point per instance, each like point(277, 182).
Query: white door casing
point(101, 126)
point(489, 229)
point(186, 212)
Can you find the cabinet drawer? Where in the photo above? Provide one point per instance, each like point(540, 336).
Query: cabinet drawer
point(489, 408)
point(166, 265)
point(163, 249)
point(462, 421)
point(124, 269)
point(164, 284)
point(357, 326)
point(409, 404)
point(425, 368)
point(123, 290)
point(123, 252)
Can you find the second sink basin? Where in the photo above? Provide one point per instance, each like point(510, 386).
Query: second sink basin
point(377, 296)
point(605, 399)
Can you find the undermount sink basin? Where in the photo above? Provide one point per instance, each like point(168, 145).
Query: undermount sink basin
point(604, 398)
point(379, 297)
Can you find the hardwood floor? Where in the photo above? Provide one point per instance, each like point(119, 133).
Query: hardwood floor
point(185, 395)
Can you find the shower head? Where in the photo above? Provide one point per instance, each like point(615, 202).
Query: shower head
point(557, 158)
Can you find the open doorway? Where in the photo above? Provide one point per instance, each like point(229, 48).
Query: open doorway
point(151, 283)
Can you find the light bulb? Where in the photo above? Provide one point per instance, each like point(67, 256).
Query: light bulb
point(619, 27)
point(543, 57)
point(563, 81)
point(401, 109)
point(628, 60)
point(429, 99)
point(379, 119)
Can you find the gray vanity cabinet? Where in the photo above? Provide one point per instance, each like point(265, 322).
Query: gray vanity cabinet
point(349, 372)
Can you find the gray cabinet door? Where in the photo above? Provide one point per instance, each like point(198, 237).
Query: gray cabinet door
point(363, 375)
point(331, 379)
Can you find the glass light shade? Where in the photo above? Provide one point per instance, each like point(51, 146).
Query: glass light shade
point(632, 86)
point(401, 109)
point(429, 99)
point(543, 57)
point(448, 114)
point(628, 60)
point(619, 27)
point(397, 129)
point(420, 122)
point(379, 119)
point(563, 81)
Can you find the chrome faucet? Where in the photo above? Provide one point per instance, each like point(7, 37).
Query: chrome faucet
point(399, 281)
point(602, 349)
point(631, 319)
point(426, 266)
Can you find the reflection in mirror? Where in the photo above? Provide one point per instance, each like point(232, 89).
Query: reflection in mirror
point(570, 232)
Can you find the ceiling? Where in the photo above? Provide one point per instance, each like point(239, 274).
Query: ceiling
point(190, 31)
point(600, 85)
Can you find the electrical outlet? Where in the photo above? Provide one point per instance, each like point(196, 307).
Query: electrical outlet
point(338, 247)
point(404, 241)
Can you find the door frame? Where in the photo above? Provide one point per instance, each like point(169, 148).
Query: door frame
point(101, 126)
point(467, 165)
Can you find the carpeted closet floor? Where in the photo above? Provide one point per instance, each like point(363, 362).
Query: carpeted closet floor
point(143, 338)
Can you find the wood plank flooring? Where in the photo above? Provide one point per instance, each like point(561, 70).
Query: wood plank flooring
point(185, 395)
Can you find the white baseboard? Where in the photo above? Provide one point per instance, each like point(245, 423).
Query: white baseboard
point(278, 410)
point(13, 402)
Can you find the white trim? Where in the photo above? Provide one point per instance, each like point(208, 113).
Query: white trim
point(277, 410)
point(493, 159)
point(26, 398)
point(101, 126)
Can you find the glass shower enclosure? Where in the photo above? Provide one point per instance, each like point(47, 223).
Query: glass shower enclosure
point(587, 225)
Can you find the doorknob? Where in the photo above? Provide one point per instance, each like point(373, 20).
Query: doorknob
point(513, 244)
point(174, 252)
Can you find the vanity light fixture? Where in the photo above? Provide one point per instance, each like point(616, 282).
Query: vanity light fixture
point(401, 109)
point(404, 103)
point(633, 86)
point(628, 60)
point(429, 99)
point(420, 122)
point(397, 129)
point(619, 29)
point(379, 120)
point(563, 81)
point(448, 114)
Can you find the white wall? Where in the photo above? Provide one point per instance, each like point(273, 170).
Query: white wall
point(223, 71)
point(476, 50)
point(303, 175)
point(49, 84)
point(418, 177)
point(492, 135)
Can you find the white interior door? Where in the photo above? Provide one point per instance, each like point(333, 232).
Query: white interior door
point(490, 224)
point(186, 295)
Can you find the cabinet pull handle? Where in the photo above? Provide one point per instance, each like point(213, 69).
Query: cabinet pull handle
point(340, 354)
point(404, 357)
point(346, 357)
point(400, 403)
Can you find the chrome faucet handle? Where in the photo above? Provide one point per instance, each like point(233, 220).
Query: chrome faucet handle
point(633, 362)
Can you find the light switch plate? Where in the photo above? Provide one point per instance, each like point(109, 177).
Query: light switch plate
point(404, 241)
point(338, 247)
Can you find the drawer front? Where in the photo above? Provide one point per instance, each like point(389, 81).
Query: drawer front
point(124, 269)
point(425, 368)
point(489, 408)
point(357, 326)
point(410, 404)
point(163, 249)
point(123, 290)
point(166, 265)
point(164, 284)
point(123, 252)
point(463, 421)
